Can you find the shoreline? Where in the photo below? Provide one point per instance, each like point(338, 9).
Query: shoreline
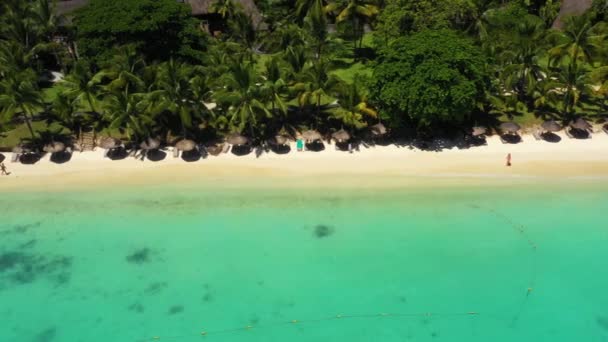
point(379, 166)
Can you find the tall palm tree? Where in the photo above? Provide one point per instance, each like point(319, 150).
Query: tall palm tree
point(316, 83)
point(241, 96)
point(84, 86)
point(274, 87)
point(357, 11)
point(578, 42)
point(566, 89)
point(19, 95)
point(522, 70)
point(317, 26)
point(130, 112)
point(354, 107)
point(176, 92)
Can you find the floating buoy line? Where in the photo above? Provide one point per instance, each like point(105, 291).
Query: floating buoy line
point(519, 228)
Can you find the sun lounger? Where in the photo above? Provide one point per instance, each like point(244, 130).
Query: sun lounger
point(567, 130)
point(605, 128)
point(225, 148)
point(537, 135)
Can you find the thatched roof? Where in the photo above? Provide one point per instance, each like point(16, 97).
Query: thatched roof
point(185, 145)
point(341, 136)
point(570, 7)
point(199, 7)
point(237, 139)
point(378, 129)
point(510, 127)
point(478, 130)
point(150, 144)
point(311, 135)
point(69, 6)
point(54, 147)
point(551, 126)
point(109, 143)
point(281, 139)
point(580, 123)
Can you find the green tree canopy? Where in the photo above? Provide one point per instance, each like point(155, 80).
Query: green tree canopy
point(159, 29)
point(431, 77)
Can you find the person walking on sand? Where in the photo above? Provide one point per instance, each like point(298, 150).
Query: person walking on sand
point(3, 170)
point(509, 159)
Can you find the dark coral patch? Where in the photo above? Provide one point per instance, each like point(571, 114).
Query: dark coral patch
point(46, 335)
point(23, 268)
point(175, 309)
point(140, 256)
point(323, 231)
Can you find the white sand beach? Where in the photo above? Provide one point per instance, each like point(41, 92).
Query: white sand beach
point(373, 166)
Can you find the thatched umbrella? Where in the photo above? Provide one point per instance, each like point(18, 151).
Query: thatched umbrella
point(550, 126)
point(237, 139)
point(341, 136)
point(378, 129)
point(581, 124)
point(109, 143)
point(150, 144)
point(54, 147)
point(478, 130)
point(184, 145)
point(281, 139)
point(311, 135)
point(509, 127)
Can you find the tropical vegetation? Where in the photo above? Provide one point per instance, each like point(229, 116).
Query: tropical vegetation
point(135, 69)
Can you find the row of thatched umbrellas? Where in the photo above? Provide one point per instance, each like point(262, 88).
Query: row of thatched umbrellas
point(547, 126)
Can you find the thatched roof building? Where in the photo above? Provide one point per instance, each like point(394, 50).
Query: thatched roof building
point(200, 8)
point(570, 7)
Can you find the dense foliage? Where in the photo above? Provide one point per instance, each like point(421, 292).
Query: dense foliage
point(158, 29)
point(135, 69)
point(430, 78)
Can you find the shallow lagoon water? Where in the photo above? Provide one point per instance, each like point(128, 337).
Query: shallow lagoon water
point(522, 263)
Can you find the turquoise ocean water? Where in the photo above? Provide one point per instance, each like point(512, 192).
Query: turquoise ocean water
point(526, 263)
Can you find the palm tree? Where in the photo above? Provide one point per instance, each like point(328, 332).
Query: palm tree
point(19, 95)
point(274, 87)
point(358, 11)
point(566, 89)
point(303, 8)
point(295, 57)
point(317, 26)
point(178, 91)
point(354, 107)
point(522, 70)
point(241, 96)
point(579, 41)
point(316, 83)
point(82, 85)
point(130, 111)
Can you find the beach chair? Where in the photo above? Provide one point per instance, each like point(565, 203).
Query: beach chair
point(537, 135)
point(225, 148)
point(568, 133)
point(605, 128)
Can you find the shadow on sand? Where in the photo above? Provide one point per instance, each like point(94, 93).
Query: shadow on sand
point(315, 146)
point(118, 153)
point(511, 138)
point(61, 157)
point(280, 149)
point(29, 158)
point(241, 150)
point(191, 156)
point(551, 137)
point(156, 155)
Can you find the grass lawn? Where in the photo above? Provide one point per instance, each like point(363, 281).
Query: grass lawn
point(13, 137)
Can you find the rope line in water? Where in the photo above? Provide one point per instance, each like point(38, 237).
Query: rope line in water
point(297, 322)
point(521, 229)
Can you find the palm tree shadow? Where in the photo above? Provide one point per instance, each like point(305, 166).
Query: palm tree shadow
point(156, 155)
point(579, 133)
point(61, 157)
point(2, 157)
point(191, 156)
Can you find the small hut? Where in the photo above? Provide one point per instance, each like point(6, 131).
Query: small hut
point(54, 147)
point(510, 127)
point(478, 131)
point(581, 124)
